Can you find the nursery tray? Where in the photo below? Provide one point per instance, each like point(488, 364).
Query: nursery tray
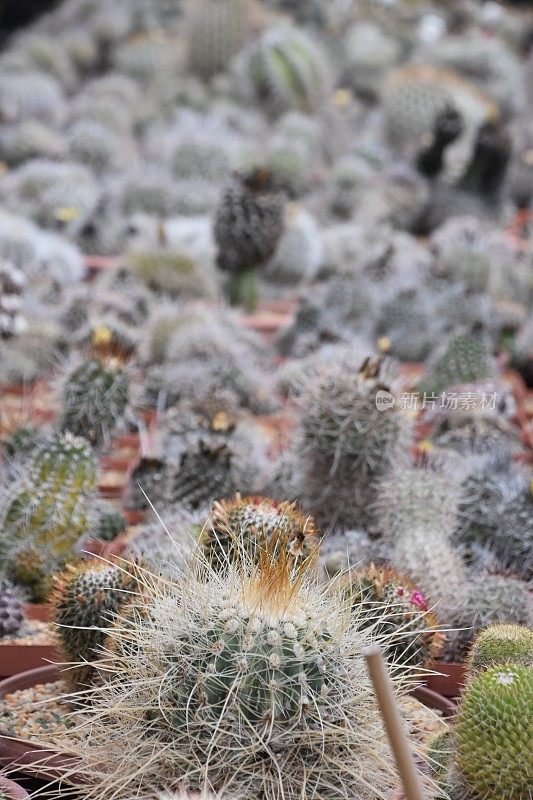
point(17, 658)
point(38, 760)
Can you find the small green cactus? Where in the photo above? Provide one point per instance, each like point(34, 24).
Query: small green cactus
point(494, 733)
point(218, 32)
point(84, 600)
point(463, 359)
point(96, 395)
point(500, 644)
point(108, 522)
point(166, 270)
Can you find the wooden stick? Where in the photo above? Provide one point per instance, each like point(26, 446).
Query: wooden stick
point(379, 675)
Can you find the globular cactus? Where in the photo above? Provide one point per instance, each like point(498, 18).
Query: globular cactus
point(84, 600)
point(144, 56)
point(235, 673)
point(299, 253)
point(31, 569)
point(346, 441)
point(147, 486)
point(500, 644)
point(108, 521)
point(490, 600)
point(30, 139)
point(463, 253)
point(248, 225)
point(96, 395)
point(397, 610)
point(493, 733)
point(463, 359)
point(96, 146)
point(30, 95)
point(370, 54)
point(418, 513)
point(21, 442)
point(218, 30)
point(48, 505)
point(254, 524)
point(283, 71)
point(11, 615)
point(12, 283)
point(173, 273)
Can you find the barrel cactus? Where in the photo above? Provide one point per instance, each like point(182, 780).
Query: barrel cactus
point(235, 674)
point(493, 733)
point(283, 71)
point(500, 644)
point(218, 32)
point(96, 394)
point(253, 524)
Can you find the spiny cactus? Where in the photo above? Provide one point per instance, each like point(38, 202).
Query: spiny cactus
point(255, 523)
point(248, 225)
point(144, 56)
point(96, 146)
point(500, 644)
point(11, 616)
point(462, 252)
point(49, 504)
point(147, 486)
point(96, 394)
point(12, 283)
point(284, 70)
point(21, 442)
point(108, 520)
point(30, 139)
point(493, 733)
point(84, 600)
point(299, 253)
point(168, 271)
point(346, 442)
point(217, 33)
point(235, 674)
point(398, 610)
point(461, 360)
point(490, 600)
point(30, 95)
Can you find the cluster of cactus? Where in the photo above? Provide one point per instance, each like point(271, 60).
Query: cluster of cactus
point(96, 395)
point(46, 509)
point(347, 442)
point(248, 225)
point(255, 523)
point(235, 673)
point(85, 599)
point(284, 70)
point(398, 611)
point(218, 31)
point(487, 752)
point(11, 614)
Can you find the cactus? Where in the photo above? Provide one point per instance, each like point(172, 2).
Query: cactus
point(448, 126)
point(30, 139)
point(398, 611)
point(11, 616)
point(147, 485)
point(463, 359)
point(108, 521)
point(299, 253)
point(30, 95)
point(493, 733)
point(147, 55)
point(346, 443)
point(84, 601)
point(462, 252)
point(174, 273)
point(96, 394)
point(283, 71)
point(490, 600)
point(21, 442)
point(12, 283)
point(236, 674)
point(96, 146)
point(255, 523)
point(248, 225)
point(48, 506)
point(218, 31)
point(370, 55)
point(500, 644)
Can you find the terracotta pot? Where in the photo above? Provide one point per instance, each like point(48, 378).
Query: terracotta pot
point(127, 441)
point(450, 682)
point(134, 517)
point(115, 463)
point(39, 760)
point(41, 612)
point(12, 790)
point(17, 658)
point(432, 699)
point(95, 264)
point(16, 389)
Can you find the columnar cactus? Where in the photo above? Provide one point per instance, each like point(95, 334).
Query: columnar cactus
point(11, 616)
point(500, 644)
point(218, 32)
point(248, 225)
point(96, 394)
point(255, 673)
point(346, 441)
point(493, 733)
point(85, 599)
point(255, 523)
point(398, 610)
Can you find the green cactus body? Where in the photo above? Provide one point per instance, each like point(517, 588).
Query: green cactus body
point(85, 599)
point(49, 505)
point(284, 70)
point(500, 644)
point(494, 733)
point(218, 32)
point(255, 523)
point(397, 610)
point(96, 395)
point(464, 359)
point(109, 521)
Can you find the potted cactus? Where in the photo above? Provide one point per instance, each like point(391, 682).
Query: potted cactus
point(24, 645)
